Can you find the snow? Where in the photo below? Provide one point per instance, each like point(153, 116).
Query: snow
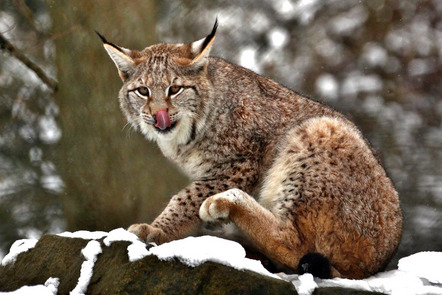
point(248, 59)
point(395, 282)
point(424, 265)
point(83, 234)
point(303, 10)
point(355, 83)
point(278, 38)
point(19, 246)
point(49, 132)
point(347, 23)
point(420, 66)
point(374, 54)
point(327, 86)
point(90, 252)
point(136, 250)
point(50, 287)
point(417, 274)
point(194, 251)
point(305, 284)
point(120, 234)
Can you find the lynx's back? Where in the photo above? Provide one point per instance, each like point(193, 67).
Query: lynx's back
point(294, 176)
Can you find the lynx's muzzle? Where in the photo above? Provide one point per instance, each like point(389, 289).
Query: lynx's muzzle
point(162, 119)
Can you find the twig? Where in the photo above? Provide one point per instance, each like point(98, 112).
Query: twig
point(6, 45)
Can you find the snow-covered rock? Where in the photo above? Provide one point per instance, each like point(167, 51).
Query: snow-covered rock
point(100, 262)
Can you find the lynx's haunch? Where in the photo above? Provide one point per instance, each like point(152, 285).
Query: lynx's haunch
point(282, 174)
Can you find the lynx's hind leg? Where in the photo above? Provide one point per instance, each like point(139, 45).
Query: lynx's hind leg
point(326, 180)
point(276, 239)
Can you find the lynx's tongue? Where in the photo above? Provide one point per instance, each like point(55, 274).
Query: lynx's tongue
point(163, 119)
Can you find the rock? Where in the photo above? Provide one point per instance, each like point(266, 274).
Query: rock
point(61, 257)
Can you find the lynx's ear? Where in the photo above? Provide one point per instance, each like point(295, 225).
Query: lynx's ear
point(120, 56)
point(199, 50)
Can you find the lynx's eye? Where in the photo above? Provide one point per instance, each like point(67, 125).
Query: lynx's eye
point(142, 91)
point(174, 90)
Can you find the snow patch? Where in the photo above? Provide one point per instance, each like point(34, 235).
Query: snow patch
point(90, 252)
point(50, 287)
point(420, 66)
point(305, 284)
point(303, 10)
point(83, 234)
point(136, 251)
point(347, 23)
point(278, 38)
point(193, 251)
point(50, 133)
point(355, 83)
point(417, 274)
point(390, 282)
point(374, 54)
point(327, 86)
point(248, 59)
point(119, 234)
point(424, 265)
point(19, 246)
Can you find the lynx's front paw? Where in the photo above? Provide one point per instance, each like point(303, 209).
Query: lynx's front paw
point(217, 208)
point(147, 233)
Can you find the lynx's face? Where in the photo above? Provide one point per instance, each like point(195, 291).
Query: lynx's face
point(165, 87)
point(163, 98)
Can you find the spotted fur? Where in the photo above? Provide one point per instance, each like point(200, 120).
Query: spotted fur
point(291, 174)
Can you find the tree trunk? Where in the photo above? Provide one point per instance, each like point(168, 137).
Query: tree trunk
point(113, 176)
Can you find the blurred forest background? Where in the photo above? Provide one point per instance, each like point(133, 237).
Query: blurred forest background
point(68, 161)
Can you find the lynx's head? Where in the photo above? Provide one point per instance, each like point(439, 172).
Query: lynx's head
point(165, 87)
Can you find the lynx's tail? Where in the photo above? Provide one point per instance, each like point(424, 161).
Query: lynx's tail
point(316, 264)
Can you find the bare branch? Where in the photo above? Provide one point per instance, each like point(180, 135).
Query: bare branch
point(7, 46)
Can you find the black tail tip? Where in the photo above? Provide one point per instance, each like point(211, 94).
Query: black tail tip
point(316, 264)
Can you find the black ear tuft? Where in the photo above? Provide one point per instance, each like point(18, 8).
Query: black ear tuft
point(316, 264)
point(102, 38)
point(211, 35)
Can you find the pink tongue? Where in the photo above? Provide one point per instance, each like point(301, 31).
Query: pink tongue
point(163, 119)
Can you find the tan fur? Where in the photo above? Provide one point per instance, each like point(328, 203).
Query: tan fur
point(292, 175)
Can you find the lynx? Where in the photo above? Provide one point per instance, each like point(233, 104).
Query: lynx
point(295, 179)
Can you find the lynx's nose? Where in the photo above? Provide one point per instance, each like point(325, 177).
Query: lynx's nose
point(162, 119)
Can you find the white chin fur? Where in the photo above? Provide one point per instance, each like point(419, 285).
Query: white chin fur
point(178, 135)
